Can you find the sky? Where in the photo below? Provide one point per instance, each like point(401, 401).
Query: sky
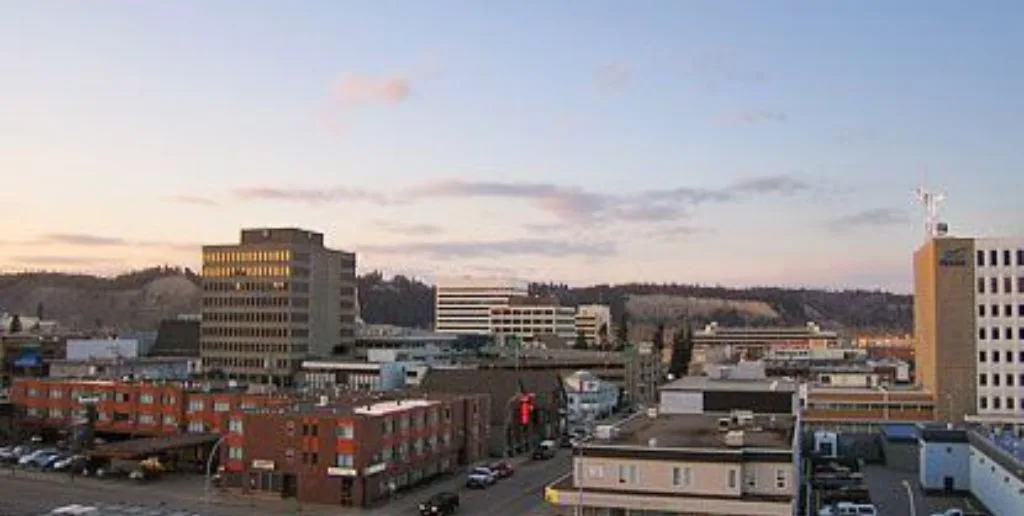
point(716, 142)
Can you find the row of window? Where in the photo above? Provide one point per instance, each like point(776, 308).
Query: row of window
point(254, 302)
point(995, 355)
point(983, 379)
point(682, 476)
point(993, 258)
point(993, 333)
point(425, 419)
point(256, 317)
point(252, 347)
point(997, 403)
point(249, 363)
point(993, 285)
point(241, 331)
point(995, 312)
point(260, 271)
point(848, 407)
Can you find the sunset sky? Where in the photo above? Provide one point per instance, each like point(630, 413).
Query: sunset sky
point(718, 142)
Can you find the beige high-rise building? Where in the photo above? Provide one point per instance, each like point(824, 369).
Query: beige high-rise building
point(944, 325)
point(276, 298)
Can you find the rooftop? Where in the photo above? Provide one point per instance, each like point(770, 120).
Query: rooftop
point(387, 407)
point(704, 383)
point(700, 431)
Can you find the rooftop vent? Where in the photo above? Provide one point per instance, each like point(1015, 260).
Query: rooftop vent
point(652, 442)
point(734, 438)
point(323, 400)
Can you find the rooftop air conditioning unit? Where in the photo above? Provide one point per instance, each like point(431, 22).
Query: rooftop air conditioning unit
point(734, 438)
point(724, 424)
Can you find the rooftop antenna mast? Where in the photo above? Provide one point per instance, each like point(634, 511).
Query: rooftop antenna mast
point(931, 200)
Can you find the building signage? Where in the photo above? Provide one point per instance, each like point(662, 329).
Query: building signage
point(267, 465)
point(376, 468)
point(341, 472)
point(956, 257)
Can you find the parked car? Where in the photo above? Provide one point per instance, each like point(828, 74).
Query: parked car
point(74, 463)
point(502, 470)
point(566, 441)
point(950, 512)
point(545, 450)
point(849, 509)
point(32, 459)
point(480, 478)
point(441, 503)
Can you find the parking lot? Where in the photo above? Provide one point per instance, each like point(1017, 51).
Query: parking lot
point(890, 496)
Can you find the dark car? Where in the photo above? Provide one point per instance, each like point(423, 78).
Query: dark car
point(545, 451)
point(502, 469)
point(565, 441)
point(440, 503)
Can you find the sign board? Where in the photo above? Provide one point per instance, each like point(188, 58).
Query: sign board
point(267, 465)
point(341, 472)
point(376, 468)
point(955, 257)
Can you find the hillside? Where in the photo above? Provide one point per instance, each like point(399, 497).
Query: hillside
point(138, 300)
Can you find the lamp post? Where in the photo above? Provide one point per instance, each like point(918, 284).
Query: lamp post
point(209, 466)
point(910, 497)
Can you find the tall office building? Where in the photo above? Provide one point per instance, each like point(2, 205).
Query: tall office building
point(969, 327)
point(272, 300)
point(463, 305)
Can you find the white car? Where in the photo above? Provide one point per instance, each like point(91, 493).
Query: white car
point(950, 512)
point(849, 509)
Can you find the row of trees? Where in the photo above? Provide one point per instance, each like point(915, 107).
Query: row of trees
point(682, 343)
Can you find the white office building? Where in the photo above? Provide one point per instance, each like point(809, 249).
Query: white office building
point(463, 304)
point(591, 320)
point(532, 320)
point(999, 296)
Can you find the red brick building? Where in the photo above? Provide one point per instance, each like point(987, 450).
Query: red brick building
point(354, 452)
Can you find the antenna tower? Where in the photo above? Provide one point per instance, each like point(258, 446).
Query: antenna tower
point(931, 200)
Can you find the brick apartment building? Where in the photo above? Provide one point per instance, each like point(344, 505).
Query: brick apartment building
point(354, 452)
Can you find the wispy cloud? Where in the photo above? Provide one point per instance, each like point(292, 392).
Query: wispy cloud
point(549, 248)
point(86, 240)
point(753, 117)
point(356, 89)
point(402, 228)
point(569, 204)
point(717, 67)
point(678, 231)
point(194, 200)
point(612, 78)
point(873, 218)
point(309, 195)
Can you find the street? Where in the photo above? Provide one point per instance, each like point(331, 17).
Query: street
point(33, 493)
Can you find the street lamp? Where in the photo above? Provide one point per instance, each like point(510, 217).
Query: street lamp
point(209, 465)
point(910, 497)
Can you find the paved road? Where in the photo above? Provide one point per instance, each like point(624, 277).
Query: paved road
point(34, 493)
point(889, 495)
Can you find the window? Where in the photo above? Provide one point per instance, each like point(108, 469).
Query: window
point(981, 258)
point(196, 427)
point(1006, 258)
point(1020, 257)
point(628, 474)
point(1020, 356)
point(983, 379)
point(996, 403)
point(1009, 403)
point(995, 310)
point(981, 310)
point(732, 479)
point(1020, 334)
point(982, 356)
point(344, 431)
point(1020, 310)
point(1008, 334)
point(781, 478)
point(995, 380)
point(1009, 380)
point(170, 420)
point(146, 399)
point(1008, 310)
point(993, 285)
point(235, 453)
point(993, 258)
point(995, 355)
point(982, 335)
point(344, 460)
point(981, 285)
point(235, 426)
point(1020, 285)
point(1007, 285)
point(221, 406)
point(983, 403)
point(995, 336)
point(146, 419)
point(195, 405)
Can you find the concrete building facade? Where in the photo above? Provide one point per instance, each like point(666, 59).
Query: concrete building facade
point(463, 304)
point(717, 343)
point(591, 321)
point(272, 300)
point(530, 319)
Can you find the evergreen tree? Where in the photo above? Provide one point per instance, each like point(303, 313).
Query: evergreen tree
point(659, 338)
point(581, 341)
point(682, 351)
point(623, 329)
point(39, 311)
point(15, 324)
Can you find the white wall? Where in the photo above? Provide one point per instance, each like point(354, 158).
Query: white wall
point(941, 460)
point(681, 402)
point(102, 349)
point(1000, 491)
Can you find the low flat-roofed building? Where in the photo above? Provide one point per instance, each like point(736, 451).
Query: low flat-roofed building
point(715, 343)
point(702, 394)
point(860, 409)
point(689, 464)
point(350, 375)
point(144, 368)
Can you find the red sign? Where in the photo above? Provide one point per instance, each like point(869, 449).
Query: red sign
point(525, 408)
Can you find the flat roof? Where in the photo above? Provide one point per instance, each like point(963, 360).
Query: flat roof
point(706, 383)
point(387, 407)
point(700, 431)
point(145, 448)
